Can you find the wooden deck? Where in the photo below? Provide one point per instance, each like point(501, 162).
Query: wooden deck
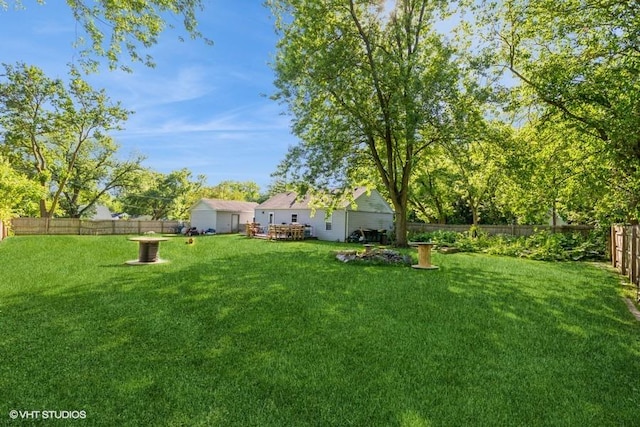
point(276, 231)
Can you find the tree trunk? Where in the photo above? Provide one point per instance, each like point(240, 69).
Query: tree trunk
point(44, 212)
point(476, 215)
point(401, 226)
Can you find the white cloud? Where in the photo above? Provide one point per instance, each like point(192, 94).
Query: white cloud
point(141, 90)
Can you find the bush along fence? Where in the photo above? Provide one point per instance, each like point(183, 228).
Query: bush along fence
point(30, 226)
point(625, 244)
point(504, 229)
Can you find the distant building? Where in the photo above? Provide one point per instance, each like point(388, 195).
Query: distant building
point(224, 216)
point(102, 212)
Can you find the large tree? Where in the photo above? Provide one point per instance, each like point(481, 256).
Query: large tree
point(114, 27)
point(48, 129)
point(368, 89)
point(579, 61)
point(477, 161)
point(555, 172)
point(432, 195)
point(161, 196)
point(96, 175)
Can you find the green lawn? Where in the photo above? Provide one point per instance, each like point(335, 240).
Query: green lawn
point(239, 332)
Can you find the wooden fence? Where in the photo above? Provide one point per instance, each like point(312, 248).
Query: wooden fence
point(512, 230)
point(625, 244)
point(27, 226)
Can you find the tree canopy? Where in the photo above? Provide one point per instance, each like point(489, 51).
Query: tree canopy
point(118, 28)
point(159, 195)
point(378, 96)
point(579, 62)
point(369, 90)
point(57, 136)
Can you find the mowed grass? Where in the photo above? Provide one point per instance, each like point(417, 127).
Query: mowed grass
point(239, 332)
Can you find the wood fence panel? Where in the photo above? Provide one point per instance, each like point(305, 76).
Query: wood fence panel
point(74, 226)
point(27, 226)
point(620, 248)
point(64, 226)
point(625, 248)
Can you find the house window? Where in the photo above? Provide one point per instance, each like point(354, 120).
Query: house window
point(327, 226)
point(294, 218)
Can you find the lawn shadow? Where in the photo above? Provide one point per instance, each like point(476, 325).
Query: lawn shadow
point(241, 332)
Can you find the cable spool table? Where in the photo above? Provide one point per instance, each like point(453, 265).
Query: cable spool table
point(148, 250)
point(424, 256)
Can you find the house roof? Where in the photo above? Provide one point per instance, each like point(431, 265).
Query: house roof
point(285, 201)
point(289, 200)
point(227, 205)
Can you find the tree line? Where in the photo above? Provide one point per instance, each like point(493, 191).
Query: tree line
point(57, 158)
point(480, 111)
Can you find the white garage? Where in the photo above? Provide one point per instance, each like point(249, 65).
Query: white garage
point(224, 216)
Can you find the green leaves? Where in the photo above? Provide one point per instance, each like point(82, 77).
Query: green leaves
point(161, 195)
point(368, 88)
point(120, 30)
point(18, 194)
point(51, 132)
point(578, 60)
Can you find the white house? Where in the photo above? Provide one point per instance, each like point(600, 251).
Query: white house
point(369, 210)
point(224, 216)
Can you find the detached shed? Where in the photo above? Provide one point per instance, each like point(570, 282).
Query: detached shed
point(368, 211)
point(224, 216)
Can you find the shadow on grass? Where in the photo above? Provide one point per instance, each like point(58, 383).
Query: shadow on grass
point(240, 332)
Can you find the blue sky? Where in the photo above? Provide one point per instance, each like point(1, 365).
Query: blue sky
point(202, 107)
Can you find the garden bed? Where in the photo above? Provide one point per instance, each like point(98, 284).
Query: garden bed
point(376, 256)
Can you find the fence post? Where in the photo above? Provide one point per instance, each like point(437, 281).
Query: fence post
point(612, 245)
point(633, 253)
point(624, 265)
point(635, 261)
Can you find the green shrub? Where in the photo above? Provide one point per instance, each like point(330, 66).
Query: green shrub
point(542, 245)
point(441, 238)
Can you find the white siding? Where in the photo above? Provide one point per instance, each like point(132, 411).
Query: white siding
point(372, 203)
point(245, 217)
point(280, 216)
point(223, 222)
point(337, 220)
point(374, 221)
point(317, 221)
point(371, 211)
point(203, 217)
